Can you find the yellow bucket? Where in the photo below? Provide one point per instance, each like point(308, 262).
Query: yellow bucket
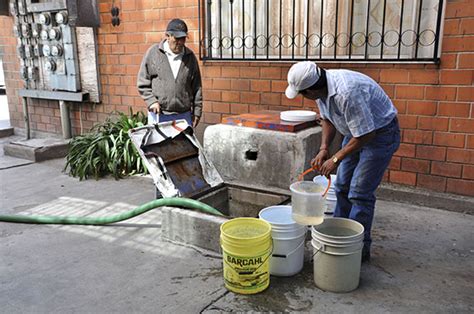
point(246, 248)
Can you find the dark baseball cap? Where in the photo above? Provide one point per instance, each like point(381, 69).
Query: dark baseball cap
point(177, 28)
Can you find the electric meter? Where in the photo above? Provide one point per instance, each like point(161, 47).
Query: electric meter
point(61, 17)
point(21, 51)
point(44, 34)
point(23, 73)
point(46, 50)
point(32, 73)
point(35, 30)
point(56, 50)
point(54, 33)
point(26, 30)
point(29, 52)
point(17, 30)
point(38, 50)
point(13, 8)
point(45, 18)
point(50, 66)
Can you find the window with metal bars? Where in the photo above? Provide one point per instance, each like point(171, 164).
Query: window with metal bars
point(329, 30)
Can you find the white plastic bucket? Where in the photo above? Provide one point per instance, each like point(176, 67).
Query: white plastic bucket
point(288, 241)
point(331, 195)
point(337, 245)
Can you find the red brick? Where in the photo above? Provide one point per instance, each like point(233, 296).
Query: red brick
point(395, 163)
point(449, 139)
point(467, 26)
point(433, 123)
point(424, 76)
point(279, 86)
point(406, 150)
point(431, 152)
point(458, 44)
point(446, 169)
point(240, 85)
point(249, 72)
point(389, 89)
point(466, 94)
point(468, 172)
point(470, 141)
point(250, 97)
point(440, 93)
point(403, 177)
point(212, 95)
point(393, 76)
point(426, 108)
point(432, 182)
point(211, 71)
point(230, 72)
point(466, 61)
point(260, 85)
point(462, 187)
point(416, 165)
point(211, 118)
point(460, 155)
point(459, 9)
point(270, 99)
point(453, 109)
point(401, 105)
point(408, 121)
point(292, 103)
point(408, 92)
point(230, 96)
point(451, 27)
point(449, 60)
point(221, 83)
point(462, 125)
point(456, 77)
point(220, 108)
point(271, 73)
point(417, 137)
point(239, 108)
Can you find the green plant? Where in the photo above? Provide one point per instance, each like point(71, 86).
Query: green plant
point(107, 149)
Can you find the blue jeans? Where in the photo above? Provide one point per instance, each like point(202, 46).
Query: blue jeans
point(359, 175)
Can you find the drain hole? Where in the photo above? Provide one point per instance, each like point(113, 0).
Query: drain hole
point(251, 155)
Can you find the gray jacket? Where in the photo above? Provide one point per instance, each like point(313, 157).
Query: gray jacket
point(156, 82)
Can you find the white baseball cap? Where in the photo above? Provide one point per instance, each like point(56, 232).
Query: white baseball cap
point(302, 75)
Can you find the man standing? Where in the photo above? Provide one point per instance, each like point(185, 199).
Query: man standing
point(356, 106)
point(169, 79)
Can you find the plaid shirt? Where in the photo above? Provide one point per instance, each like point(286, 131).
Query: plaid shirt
point(356, 105)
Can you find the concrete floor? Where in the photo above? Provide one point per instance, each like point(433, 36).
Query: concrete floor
point(423, 258)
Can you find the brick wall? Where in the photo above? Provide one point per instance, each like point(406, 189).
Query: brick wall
point(435, 102)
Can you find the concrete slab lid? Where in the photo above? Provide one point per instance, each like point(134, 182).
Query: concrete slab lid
point(40, 142)
point(298, 115)
point(176, 159)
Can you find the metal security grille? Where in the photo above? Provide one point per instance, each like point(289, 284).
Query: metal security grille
point(329, 30)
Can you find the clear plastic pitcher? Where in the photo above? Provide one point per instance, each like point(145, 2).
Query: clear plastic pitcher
point(308, 202)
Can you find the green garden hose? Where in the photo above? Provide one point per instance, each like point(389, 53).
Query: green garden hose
point(66, 220)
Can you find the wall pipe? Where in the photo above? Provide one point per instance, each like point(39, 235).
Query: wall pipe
point(65, 119)
point(26, 119)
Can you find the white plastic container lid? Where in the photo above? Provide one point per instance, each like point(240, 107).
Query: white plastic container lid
point(298, 115)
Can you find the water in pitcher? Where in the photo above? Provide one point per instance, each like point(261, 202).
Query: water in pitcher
point(307, 203)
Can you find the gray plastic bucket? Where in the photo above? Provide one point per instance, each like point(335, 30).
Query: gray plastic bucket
point(337, 245)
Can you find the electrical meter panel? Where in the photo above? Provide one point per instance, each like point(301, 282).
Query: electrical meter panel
point(47, 46)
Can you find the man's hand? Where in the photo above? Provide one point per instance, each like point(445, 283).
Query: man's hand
point(327, 168)
point(320, 158)
point(155, 108)
point(196, 121)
